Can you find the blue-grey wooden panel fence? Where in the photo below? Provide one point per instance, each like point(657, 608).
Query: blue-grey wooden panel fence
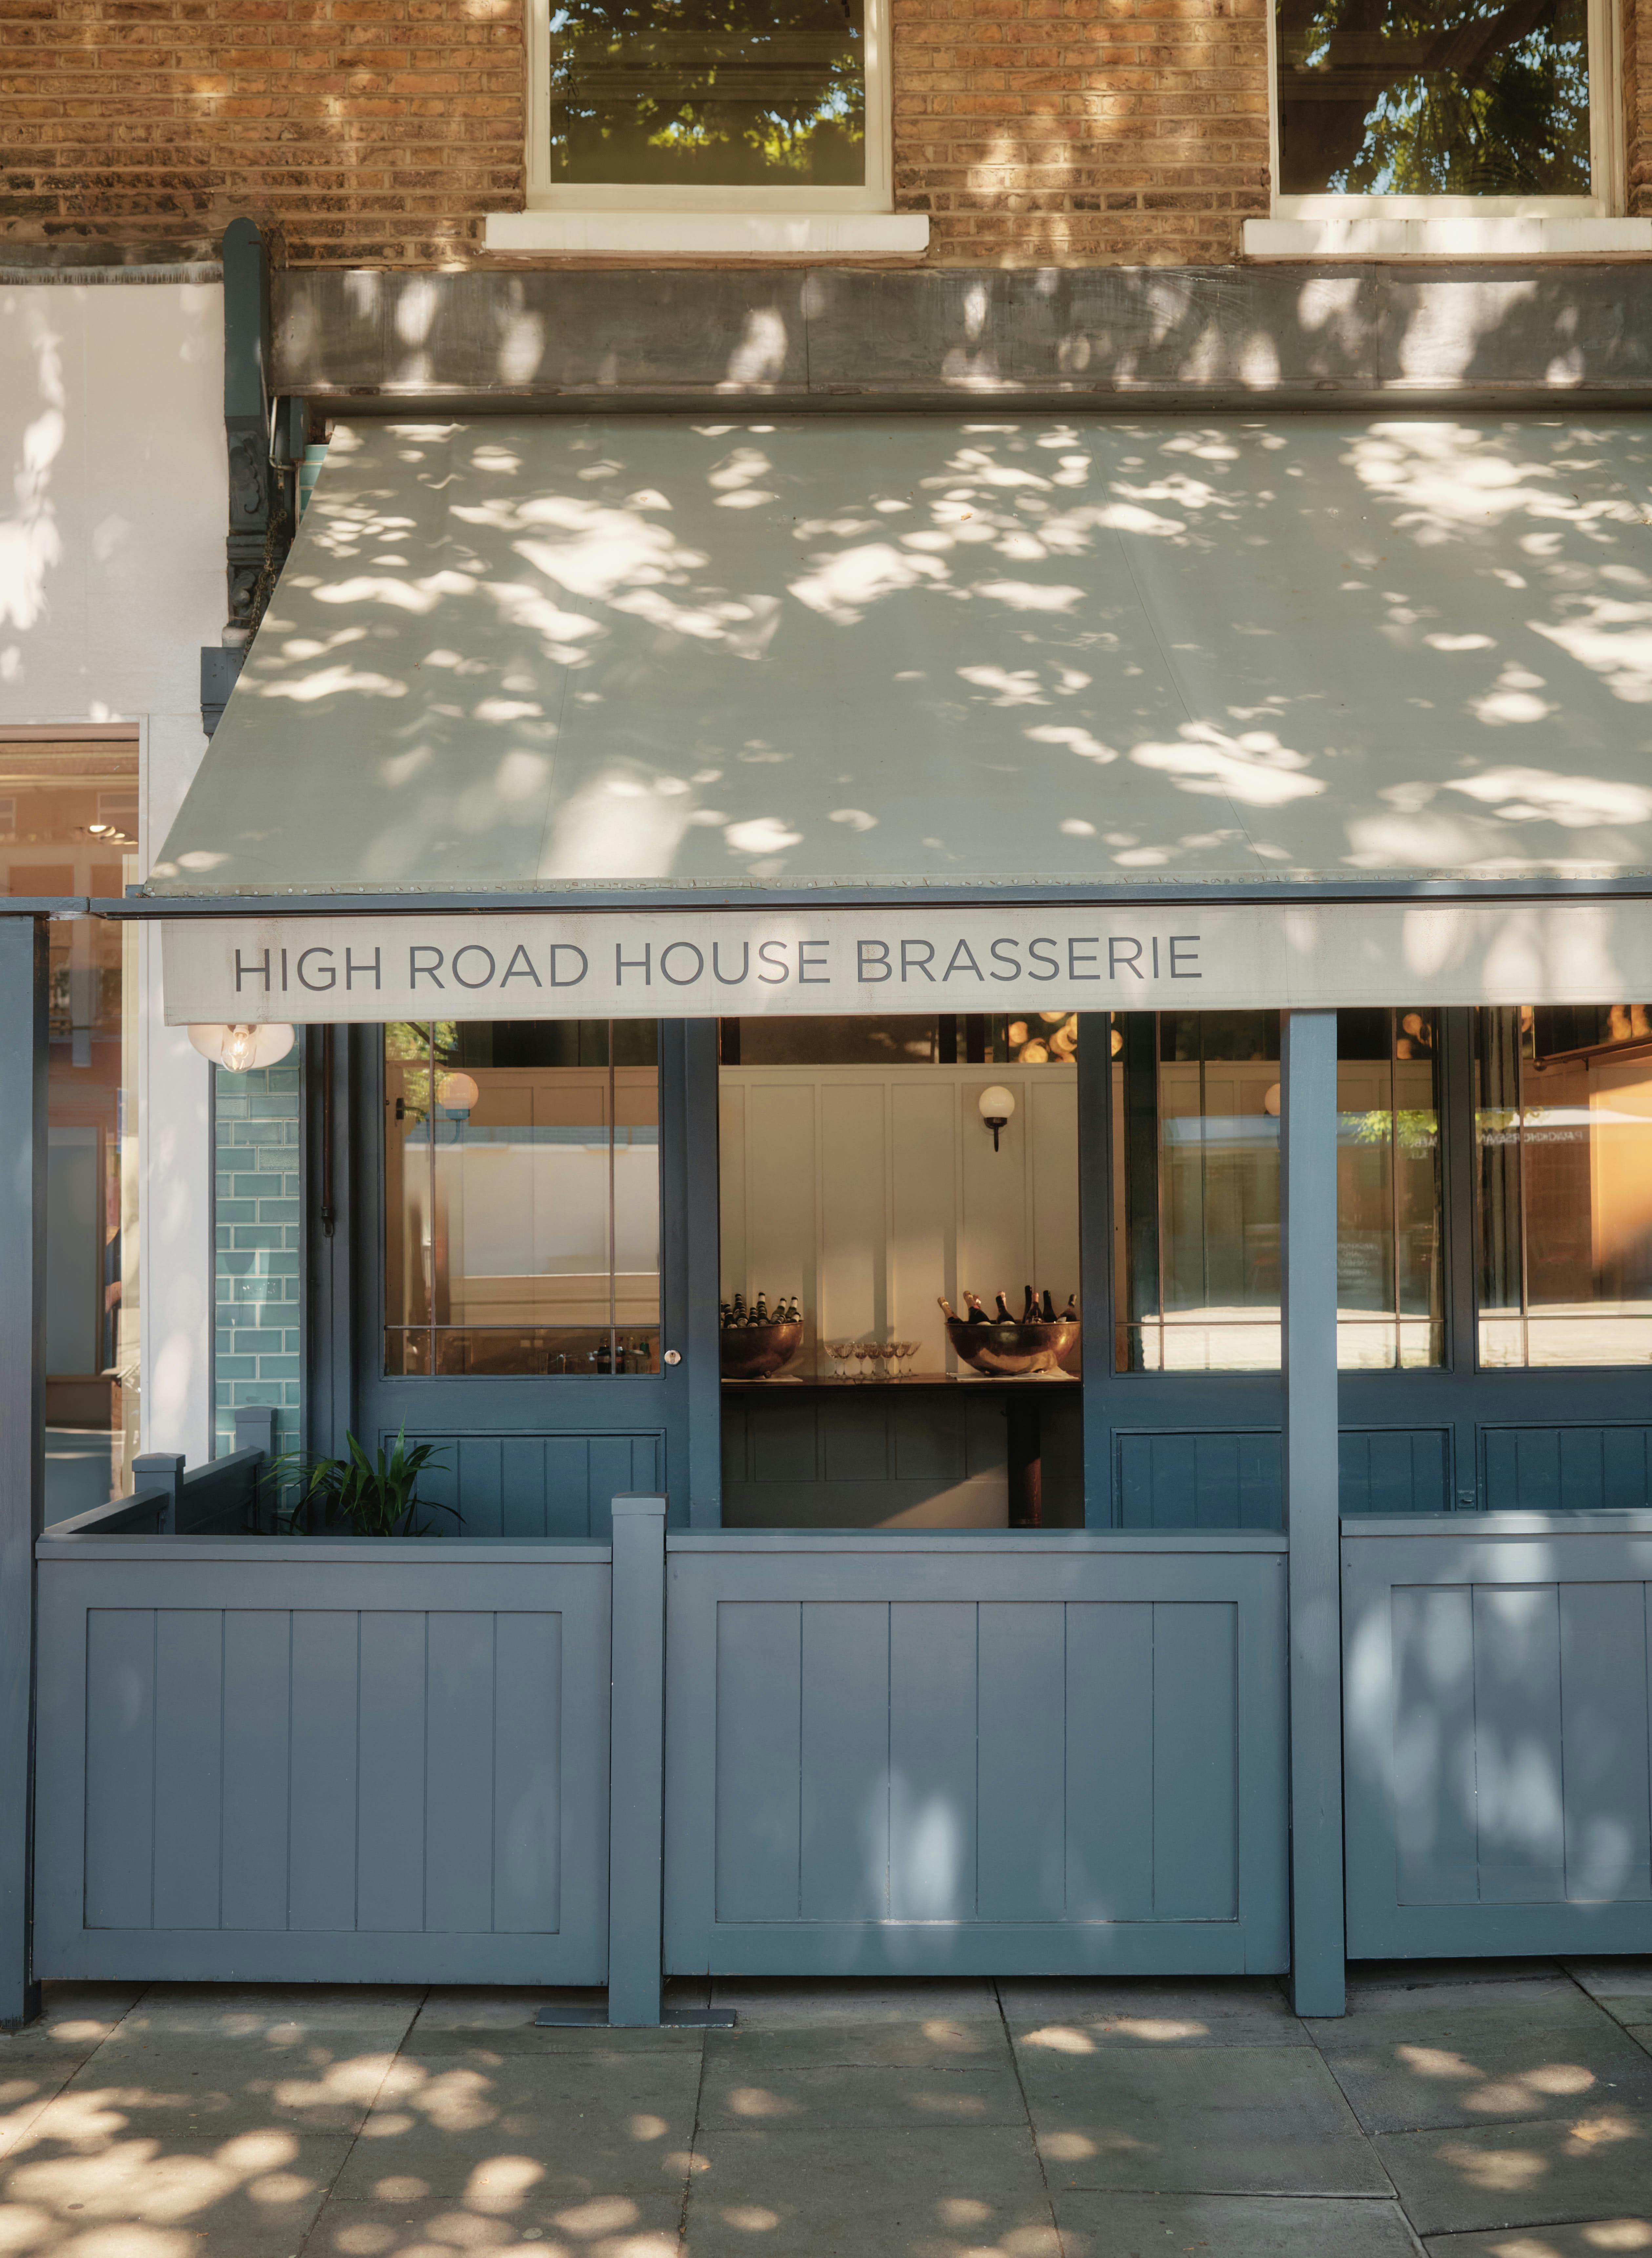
point(271, 1759)
point(946, 1753)
point(552, 1486)
point(1496, 1705)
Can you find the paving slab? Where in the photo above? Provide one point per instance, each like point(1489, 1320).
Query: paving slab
point(1112, 2225)
point(783, 2003)
point(943, 2042)
point(842, 2193)
point(487, 2047)
point(1585, 2238)
point(1225, 2011)
point(1219, 2121)
point(1623, 1988)
point(1410, 2068)
point(156, 2084)
point(37, 2061)
point(1395, 1984)
point(598, 2124)
point(859, 2093)
point(230, 2011)
point(1597, 2164)
point(525, 2223)
point(253, 2195)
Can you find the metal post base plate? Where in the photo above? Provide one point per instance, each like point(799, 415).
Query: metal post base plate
point(671, 2019)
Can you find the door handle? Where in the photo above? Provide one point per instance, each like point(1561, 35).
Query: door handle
point(671, 1356)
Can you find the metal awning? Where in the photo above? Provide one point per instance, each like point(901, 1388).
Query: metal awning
point(937, 655)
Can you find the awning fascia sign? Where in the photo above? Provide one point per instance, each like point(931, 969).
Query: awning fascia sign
point(688, 964)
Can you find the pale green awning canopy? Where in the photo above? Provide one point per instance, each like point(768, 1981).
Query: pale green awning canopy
point(941, 653)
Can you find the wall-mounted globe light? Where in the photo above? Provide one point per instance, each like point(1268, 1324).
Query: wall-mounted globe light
point(996, 1104)
point(241, 1049)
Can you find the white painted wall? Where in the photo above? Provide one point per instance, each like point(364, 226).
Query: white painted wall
point(111, 579)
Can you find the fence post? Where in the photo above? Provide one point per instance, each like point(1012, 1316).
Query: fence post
point(23, 1047)
point(636, 1768)
point(1308, 1286)
point(255, 1429)
point(161, 1470)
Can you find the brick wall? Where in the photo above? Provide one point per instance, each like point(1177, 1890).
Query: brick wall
point(379, 132)
point(259, 1231)
point(1082, 131)
point(369, 131)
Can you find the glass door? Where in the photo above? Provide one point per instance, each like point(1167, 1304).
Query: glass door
point(510, 1292)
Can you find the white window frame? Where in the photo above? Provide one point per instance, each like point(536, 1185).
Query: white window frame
point(1606, 153)
point(875, 194)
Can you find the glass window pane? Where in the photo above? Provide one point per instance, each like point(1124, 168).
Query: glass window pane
point(1563, 1142)
point(1196, 1191)
point(68, 825)
point(685, 93)
point(522, 1198)
point(1459, 97)
point(861, 1183)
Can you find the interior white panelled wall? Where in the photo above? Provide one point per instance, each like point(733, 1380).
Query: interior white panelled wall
point(869, 1191)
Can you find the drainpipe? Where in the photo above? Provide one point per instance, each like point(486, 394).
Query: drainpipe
point(260, 504)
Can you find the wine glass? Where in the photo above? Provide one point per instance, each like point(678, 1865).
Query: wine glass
point(888, 1355)
point(840, 1353)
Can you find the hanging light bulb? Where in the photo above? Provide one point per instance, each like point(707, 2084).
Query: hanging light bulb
point(996, 1104)
point(457, 1093)
point(242, 1048)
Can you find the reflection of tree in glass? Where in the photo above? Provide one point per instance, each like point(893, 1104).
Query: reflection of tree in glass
point(1401, 97)
point(707, 93)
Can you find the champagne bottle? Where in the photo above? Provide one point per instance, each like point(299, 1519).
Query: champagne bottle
point(1030, 1311)
point(1070, 1314)
point(739, 1318)
point(794, 1314)
point(760, 1315)
point(1004, 1317)
point(946, 1309)
point(1049, 1309)
point(978, 1315)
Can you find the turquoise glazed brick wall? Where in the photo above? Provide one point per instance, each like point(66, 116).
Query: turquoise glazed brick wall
point(258, 1225)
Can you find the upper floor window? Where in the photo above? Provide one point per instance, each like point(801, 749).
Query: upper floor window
point(1503, 105)
point(717, 105)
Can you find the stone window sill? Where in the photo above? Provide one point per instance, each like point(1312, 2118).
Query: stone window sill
point(716, 235)
point(1367, 237)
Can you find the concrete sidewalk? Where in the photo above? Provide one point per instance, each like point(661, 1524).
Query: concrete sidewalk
point(1493, 2110)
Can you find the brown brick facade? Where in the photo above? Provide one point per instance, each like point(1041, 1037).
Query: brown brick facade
point(380, 131)
point(1077, 132)
point(367, 130)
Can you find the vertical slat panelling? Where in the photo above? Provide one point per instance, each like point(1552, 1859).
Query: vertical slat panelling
point(120, 1767)
point(853, 1254)
point(1261, 1484)
point(1109, 1785)
point(609, 1477)
point(1502, 1479)
point(188, 1765)
point(458, 1801)
point(1353, 1473)
point(1517, 1745)
point(1581, 1469)
point(1217, 1498)
point(481, 1489)
point(854, 1442)
point(1432, 1762)
point(522, 1482)
point(648, 1475)
point(1052, 1104)
point(779, 1204)
point(1537, 1470)
point(1602, 1660)
point(1021, 1785)
point(1195, 1761)
point(1623, 1458)
point(785, 1439)
point(442, 1481)
point(390, 1805)
point(322, 1890)
point(932, 1816)
point(759, 1760)
point(257, 1687)
point(732, 1182)
point(527, 1774)
point(567, 1486)
point(922, 1208)
point(845, 1738)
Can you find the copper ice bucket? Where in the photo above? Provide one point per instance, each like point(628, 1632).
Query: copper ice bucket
point(753, 1351)
point(1014, 1351)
